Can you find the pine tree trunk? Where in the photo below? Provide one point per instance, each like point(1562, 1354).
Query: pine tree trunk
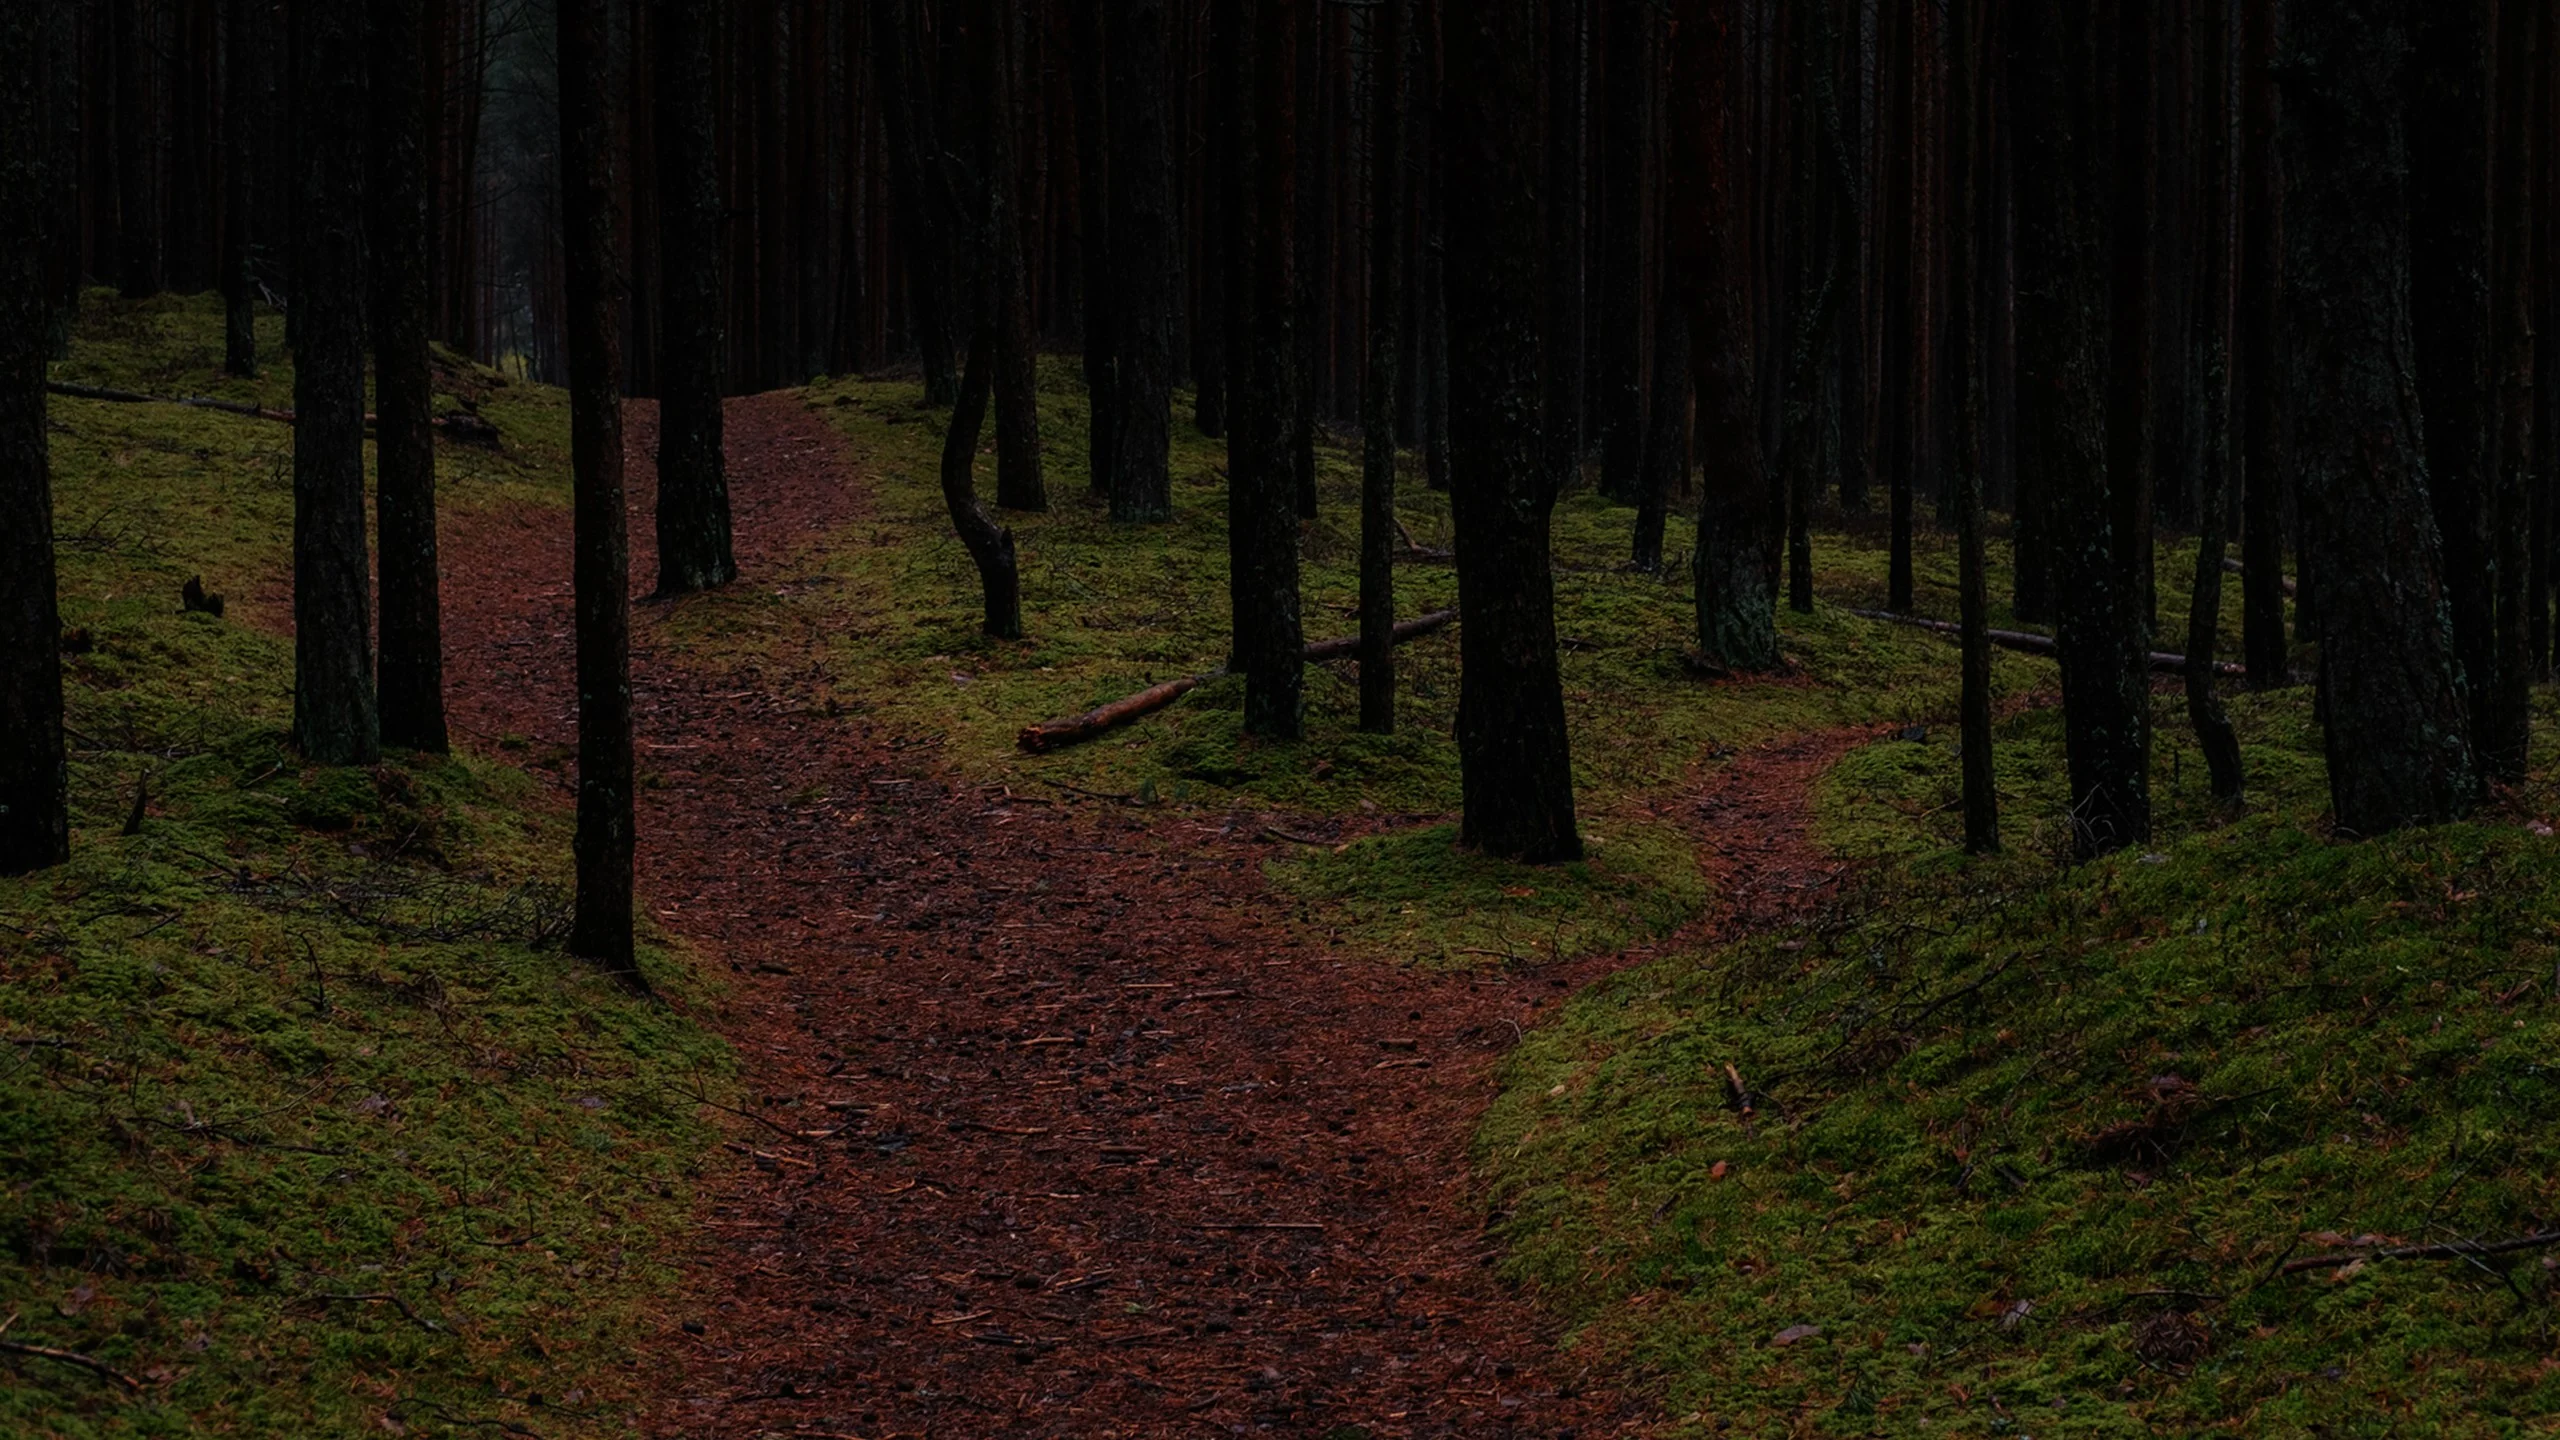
point(1512, 746)
point(2449, 264)
point(2132, 310)
point(2398, 720)
point(2504, 701)
point(1568, 137)
point(1666, 444)
point(244, 57)
point(135, 40)
point(1378, 400)
point(1261, 510)
point(1740, 525)
point(695, 547)
point(2264, 478)
point(2217, 39)
point(334, 718)
point(915, 178)
point(412, 633)
point(601, 929)
point(1625, 99)
point(1966, 152)
point(990, 545)
point(2058, 80)
point(1142, 260)
point(34, 815)
point(1089, 65)
point(1019, 485)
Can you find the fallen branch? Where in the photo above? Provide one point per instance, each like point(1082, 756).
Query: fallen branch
point(465, 427)
point(2027, 642)
point(1057, 734)
point(90, 1363)
point(2452, 1250)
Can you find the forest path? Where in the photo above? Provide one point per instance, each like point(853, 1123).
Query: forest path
point(1120, 1152)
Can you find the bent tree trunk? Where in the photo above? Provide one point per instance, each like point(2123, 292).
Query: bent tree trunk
point(2213, 368)
point(1741, 525)
point(2063, 295)
point(2398, 720)
point(35, 829)
point(334, 720)
point(601, 928)
point(989, 544)
point(695, 550)
point(412, 628)
point(1513, 751)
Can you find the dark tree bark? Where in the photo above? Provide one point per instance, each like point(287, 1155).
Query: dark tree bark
point(1378, 399)
point(1568, 53)
point(35, 826)
point(695, 548)
point(2398, 721)
point(2503, 701)
point(2132, 306)
point(1626, 119)
point(2263, 475)
point(1512, 745)
point(990, 545)
point(927, 228)
point(412, 629)
point(1896, 225)
point(1666, 444)
point(334, 718)
point(2058, 79)
point(601, 929)
point(1261, 491)
point(1740, 523)
point(1142, 262)
point(135, 41)
point(243, 114)
point(1965, 36)
point(1090, 66)
point(1213, 345)
point(2448, 203)
point(1017, 389)
point(2218, 40)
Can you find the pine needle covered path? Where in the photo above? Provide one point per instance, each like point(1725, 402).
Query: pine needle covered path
point(1060, 1128)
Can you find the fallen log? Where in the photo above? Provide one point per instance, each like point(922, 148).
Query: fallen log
point(2027, 642)
point(466, 427)
point(1069, 730)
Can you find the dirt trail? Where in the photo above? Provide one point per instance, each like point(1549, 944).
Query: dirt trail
point(1116, 1152)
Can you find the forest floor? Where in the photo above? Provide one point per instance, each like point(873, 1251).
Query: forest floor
point(1059, 1130)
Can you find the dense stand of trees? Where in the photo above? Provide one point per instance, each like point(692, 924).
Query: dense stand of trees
point(2223, 267)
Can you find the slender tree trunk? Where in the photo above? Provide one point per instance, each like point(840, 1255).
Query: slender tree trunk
point(412, 629)
point(1142, 262)
point(1019, 485)
point(1965, 129)
point(695, 549)
point(2058, 78)
point(1740, 527)
point(2503, 701)
point(2263, 474)
point(244, 66)
point(1261, 511)
point(1666, 446)
point(990, 545)
point(1378, 400)
point(2217, 35)
point(915, 178)
point(2132, 311)
point(1568, 137)
point(1626, 99)
point(601, 929)
point(135, 43)
point(1512, 746)
point(1220, 192)
point(1090, 66)
point(1897, 224)
point(35, 827)
point(2449, 255)
point(2398, 721)
point(334, 718)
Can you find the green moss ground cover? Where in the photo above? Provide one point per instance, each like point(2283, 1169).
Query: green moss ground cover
point(305, 1122)
point(2030, 1147)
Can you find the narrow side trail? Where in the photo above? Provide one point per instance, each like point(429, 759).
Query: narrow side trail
point(1108, 1150)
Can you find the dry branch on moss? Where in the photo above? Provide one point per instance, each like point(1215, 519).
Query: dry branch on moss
point(468, 428)
point(1074, 729)
point(2027, 642)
